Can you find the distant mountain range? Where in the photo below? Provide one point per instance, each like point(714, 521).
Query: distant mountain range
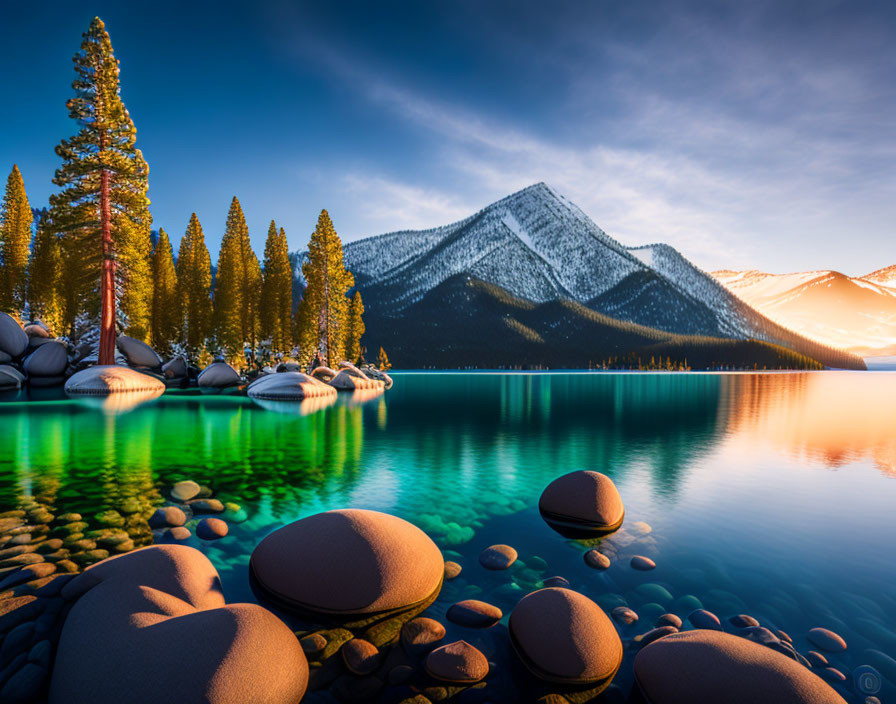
point(539, 282)
point(854, 313)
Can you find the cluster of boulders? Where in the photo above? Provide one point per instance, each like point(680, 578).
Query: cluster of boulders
point(356, 582)
point(31, 355)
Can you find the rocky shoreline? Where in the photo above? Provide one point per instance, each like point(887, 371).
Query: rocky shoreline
point(351, 594)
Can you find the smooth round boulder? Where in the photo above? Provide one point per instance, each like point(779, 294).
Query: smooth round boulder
point(743, 621)
point(348, 562)
point(138, 353)
point(288, 386)
point(218, 375)
point(211, 529)
point(473, 613)
point(421, 634)
point(185, 490)
point(133, 629)
point(826, 640)
point(497, 557)
point(13, 339)
point(668, 620)
point(458, 663)
point(175, 368)
point(49, 359)
point(563, 636)
point(361, 656)
point(582, 504)
point(712, 666)
point(111, 379)
point(10, 377)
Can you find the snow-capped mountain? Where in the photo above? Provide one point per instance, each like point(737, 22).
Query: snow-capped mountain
point(854, 313)
point(884, 277)
point(540, 247)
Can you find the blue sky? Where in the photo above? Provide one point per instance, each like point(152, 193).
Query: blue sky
point(747, 135)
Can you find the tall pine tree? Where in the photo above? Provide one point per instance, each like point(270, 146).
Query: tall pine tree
point(355, 328)
point(276, 291)
point(166, 312)
point(238, 286)
point(103, 204)
point(43, 273)
point(323, 312)
point(15, 244)
point(194, 284)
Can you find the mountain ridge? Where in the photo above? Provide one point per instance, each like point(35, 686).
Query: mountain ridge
point(538, 246)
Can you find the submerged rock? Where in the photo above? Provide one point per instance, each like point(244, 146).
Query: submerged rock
point(134, 626)
point(497, 557)
point(185, 490)
point(581, 504)
point(712, 666)
point(452, 569)
point(348, 562)
point(701, 618)
point(473, 613)
point(361, 656)
point(597, 560)
point(563, 636)
point(644, 564)
point(211, 529)
point(826, 640)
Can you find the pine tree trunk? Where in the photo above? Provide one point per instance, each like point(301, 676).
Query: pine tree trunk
point(107, 285)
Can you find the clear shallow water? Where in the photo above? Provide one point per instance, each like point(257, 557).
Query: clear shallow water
point(767, 494)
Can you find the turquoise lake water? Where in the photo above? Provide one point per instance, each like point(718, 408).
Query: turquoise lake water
point(772, 495)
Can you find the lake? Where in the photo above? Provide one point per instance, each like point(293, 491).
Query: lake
point(772, 495)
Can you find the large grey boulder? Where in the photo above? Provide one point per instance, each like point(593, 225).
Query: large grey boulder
point(288, 386)
point(218, 375)
point(138, 353)
point(10, 378)
point(712, 666)
point(13, 339)
point(111, 379)
point(50, 359)
point(175, 368)
point(152, 626)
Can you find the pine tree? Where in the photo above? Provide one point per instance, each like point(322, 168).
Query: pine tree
point(323, 311)
point(134, 253)
point(276, 291)
point(103, 205)
point(166, 313)
point(382, 360)
point(194, 284)
point(43, 273)
point(355, 328)
point(238, 286)
point(15, 243)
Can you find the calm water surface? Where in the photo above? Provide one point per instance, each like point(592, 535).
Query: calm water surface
point(767, 494)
